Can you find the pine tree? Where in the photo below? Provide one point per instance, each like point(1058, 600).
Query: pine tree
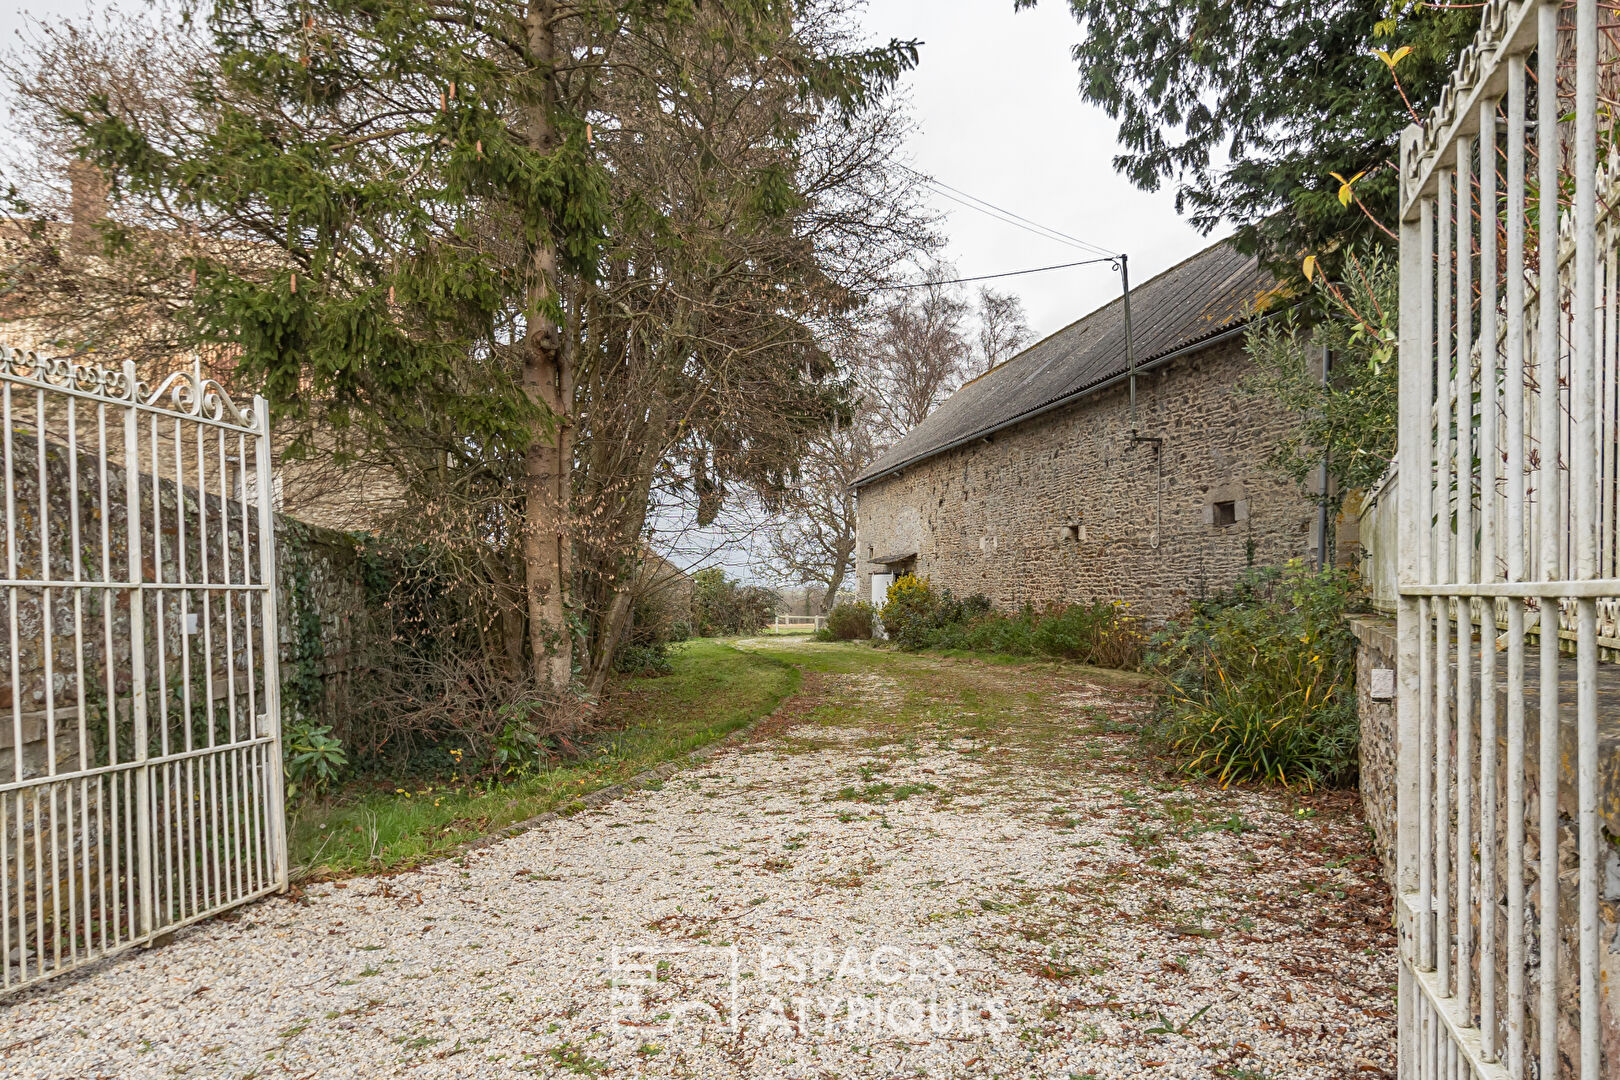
point(409, 183)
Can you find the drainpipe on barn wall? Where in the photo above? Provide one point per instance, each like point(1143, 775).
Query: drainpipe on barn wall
point(1136, 437)
point(1130, 346)
point(1322, 481)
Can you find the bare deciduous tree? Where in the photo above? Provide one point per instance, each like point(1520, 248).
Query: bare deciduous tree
point(918, 355)
point(814, 544)
point(1003, 329)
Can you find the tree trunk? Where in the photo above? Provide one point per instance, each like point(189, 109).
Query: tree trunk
point(546, 462)
point(617, 616)
point(837, 582)
point(613, 624)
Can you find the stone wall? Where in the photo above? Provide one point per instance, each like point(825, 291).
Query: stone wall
point(324, 627)
point(1067, 507)
point(1379, 752)
point(1377, 652)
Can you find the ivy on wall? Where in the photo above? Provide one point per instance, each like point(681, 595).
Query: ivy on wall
point(302, 687)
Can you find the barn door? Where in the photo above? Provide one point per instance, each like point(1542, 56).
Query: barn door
point(140, 777)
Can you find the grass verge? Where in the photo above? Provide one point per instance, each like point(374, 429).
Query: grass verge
point(713, 691)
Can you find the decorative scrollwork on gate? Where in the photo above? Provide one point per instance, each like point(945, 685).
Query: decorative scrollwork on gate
point(185, 393)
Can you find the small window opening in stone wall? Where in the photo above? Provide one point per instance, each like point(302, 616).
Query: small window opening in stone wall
point(1225, 514)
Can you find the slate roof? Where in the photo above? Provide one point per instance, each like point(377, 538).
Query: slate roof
point(1212, 292)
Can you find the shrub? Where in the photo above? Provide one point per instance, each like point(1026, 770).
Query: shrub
point(721, 606)
point(910, 610)
point(314, 758)
point(426, 711)
point(1098, 633)
point(1262, 681)
point(850, 622)
point(649, 659)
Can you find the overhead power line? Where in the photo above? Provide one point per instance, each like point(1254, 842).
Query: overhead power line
point(1007, 273)
point(1009, 217)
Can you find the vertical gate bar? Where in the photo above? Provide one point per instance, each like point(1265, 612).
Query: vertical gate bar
point(6, 451)
point(1423, 532)
point(227, 594)
point(275, 809)
point(218, 808)
point(17, 672)
point(120, 880)
point(194, 856)
point(1489, 453)
point(5, 879)
point(132, 863)
point(48, 656)
point(1444, 341)
point(1604, 359)
point(159, 595)
point(1445, 571)
point(101, 857)
point(1609, 437)
point(16, 679)
point(142, 803)
point(22, 892)
point(243, 787)
point(1514, 390)
point(107, 848)
point(65, 884)
point(256, 827)
point(162, 794)
point(1463, 548)
point(199, 767)
point(39, 883)
point(187, 838)
point(78, 835)
point(219, 817)
point(11, 590)
point(1582, 398)
point(239, 831)
point(1547, 529)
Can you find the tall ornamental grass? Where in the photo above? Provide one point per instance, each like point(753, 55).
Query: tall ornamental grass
point(1261, 681)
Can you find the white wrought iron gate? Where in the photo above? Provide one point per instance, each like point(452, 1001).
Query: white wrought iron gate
point(1509, 565)
point(140, 776)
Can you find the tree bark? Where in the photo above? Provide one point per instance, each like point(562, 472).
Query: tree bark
point(846, 547)
point(617, 617)
point(546, 461)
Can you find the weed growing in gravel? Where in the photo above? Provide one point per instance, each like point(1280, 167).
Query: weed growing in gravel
point(1166, 1026)
point(573, 1059)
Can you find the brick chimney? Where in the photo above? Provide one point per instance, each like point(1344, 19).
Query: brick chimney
point(88, 202)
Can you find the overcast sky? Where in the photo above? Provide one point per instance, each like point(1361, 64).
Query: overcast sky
point(999, 117)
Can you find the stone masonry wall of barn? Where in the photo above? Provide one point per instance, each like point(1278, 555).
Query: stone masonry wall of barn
point(1062, 507)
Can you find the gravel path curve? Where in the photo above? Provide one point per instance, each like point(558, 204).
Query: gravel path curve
point(927, 868)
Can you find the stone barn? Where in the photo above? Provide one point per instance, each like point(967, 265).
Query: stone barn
point(1032, 484)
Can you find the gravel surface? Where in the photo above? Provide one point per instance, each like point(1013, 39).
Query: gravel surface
point(920, 867)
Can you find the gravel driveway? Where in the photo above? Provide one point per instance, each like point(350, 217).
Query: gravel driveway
point(919, 867)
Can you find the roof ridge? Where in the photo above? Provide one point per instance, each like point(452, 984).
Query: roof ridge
point(1180, 314)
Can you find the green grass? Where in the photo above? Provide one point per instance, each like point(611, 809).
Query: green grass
point(714, 690)
point(1116, 678)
